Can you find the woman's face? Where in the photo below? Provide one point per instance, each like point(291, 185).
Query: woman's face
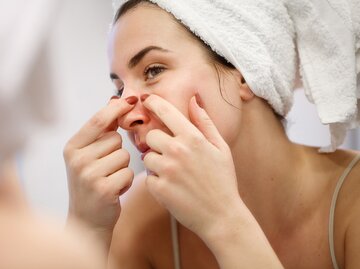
point(150, 53)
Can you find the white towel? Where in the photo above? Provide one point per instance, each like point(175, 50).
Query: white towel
point(328, 42)
point(265, 39)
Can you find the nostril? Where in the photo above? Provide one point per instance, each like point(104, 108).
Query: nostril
point(137, 122)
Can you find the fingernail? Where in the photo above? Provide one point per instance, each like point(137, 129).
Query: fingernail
point(132, 100)
point(144, 97)
point(199, 100)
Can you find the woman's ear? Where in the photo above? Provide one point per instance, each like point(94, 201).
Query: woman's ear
point(246, 93)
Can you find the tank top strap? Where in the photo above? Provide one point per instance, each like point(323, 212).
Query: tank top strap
point(333, 206)
point(175, 242)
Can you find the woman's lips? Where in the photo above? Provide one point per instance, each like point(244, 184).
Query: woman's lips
point(144, 149)
point(144, 154)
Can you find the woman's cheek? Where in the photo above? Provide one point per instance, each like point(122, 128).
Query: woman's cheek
point(178, 94)
point(230, 128)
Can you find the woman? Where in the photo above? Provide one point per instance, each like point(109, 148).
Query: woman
point(218, 161)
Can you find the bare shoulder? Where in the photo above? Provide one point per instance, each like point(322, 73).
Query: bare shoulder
point(349, 196)
point(142, 230)
point(350, 192)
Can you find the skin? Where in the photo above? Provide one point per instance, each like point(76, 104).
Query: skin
point(243, 206)
point(30, 241)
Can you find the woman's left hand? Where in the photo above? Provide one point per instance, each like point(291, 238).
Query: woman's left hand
point(193, 173)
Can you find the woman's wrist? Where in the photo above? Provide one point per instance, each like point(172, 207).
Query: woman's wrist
point(228, 226)
point(238, 239)
point(100, 236)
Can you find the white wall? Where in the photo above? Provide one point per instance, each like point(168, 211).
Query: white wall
point(304, 125)
point(79, 70)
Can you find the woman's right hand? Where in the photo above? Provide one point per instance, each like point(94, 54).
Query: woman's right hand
point(97, 170)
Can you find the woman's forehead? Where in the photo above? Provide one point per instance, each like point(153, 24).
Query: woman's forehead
point(145, 25)
point(146, 21)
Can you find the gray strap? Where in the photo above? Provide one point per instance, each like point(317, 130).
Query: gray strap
point(175, 243)
point(332, 210)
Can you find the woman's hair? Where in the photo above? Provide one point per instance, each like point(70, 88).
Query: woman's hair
point(218, 60)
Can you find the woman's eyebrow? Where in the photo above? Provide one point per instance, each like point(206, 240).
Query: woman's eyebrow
point(136, 59)
point(142, 53)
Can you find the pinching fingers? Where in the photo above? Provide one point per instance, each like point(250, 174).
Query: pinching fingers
point(153, 161)
point(120, 181)
point(105, 145)
point(158, 140)
point(173, 119)
point(100, 123)
point(113, 162)
point(203, 122)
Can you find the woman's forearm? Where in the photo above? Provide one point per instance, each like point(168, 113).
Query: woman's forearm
point(100, 238)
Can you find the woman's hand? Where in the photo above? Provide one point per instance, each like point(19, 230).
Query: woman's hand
point(192, 172)
point(193, 176)
point(98, 172)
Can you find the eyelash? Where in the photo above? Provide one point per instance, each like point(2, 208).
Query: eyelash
point(119, 92)
point(158, 68)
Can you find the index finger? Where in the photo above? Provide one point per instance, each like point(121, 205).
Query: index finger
point(169, 115)
point(100, 122)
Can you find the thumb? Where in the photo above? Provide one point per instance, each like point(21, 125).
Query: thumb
point(200, 118)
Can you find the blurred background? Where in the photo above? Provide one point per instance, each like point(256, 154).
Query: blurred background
point(72, 63)
point(53, 54)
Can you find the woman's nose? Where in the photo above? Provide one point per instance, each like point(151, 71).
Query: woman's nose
point(137, 117)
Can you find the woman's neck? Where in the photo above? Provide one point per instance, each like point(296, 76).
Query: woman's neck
point(274, 174)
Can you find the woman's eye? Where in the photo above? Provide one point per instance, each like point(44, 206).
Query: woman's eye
point(153, 71)
point(119, 92)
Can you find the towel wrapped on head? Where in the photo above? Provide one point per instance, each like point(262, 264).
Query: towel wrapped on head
point(270, 42)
